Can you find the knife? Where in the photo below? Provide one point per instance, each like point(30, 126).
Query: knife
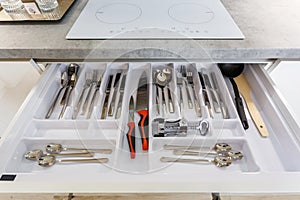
point(142, 109)
point(106, 94)
point(114, 92)
point(131, 132)
point(205, 95)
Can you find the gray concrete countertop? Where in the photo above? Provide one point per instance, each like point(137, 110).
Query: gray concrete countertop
point(271, 28)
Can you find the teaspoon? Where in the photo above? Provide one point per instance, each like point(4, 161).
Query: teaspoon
point(48, 161)
point(37, 153)
point(219, 161)
point(57, 148)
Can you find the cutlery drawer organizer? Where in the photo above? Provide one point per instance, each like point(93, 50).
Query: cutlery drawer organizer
point(179, 97)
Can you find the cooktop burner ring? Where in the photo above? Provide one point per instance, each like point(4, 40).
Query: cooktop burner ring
point(118, 13)
point(205, 14)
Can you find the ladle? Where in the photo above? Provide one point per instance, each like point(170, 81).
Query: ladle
point(219, 161)
point(231, 71)
point(48, 161)
point(245, 90)
point(57, 148)
point(37, 153)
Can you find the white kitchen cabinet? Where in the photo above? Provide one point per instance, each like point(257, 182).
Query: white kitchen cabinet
point(269, 164)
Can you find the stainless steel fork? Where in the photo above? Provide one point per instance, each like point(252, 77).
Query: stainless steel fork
point(192, 85)
point(88, 82)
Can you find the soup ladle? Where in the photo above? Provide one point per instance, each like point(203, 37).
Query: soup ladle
point(231, 71)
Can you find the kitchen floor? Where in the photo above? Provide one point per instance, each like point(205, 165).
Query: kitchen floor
point(195, 196)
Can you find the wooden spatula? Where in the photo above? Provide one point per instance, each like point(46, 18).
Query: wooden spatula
point(244, 89)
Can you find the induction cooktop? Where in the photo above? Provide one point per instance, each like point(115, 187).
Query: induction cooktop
point(154, 19)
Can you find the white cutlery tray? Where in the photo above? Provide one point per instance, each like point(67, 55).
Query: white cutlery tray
point(264, 158)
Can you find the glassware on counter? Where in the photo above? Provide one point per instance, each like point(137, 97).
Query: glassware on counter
point(12, 6)
point(47, 5)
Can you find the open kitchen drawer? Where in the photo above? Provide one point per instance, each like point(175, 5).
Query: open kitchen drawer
point(269, 164)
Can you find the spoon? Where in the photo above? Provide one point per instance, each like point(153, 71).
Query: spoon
point(48, 161)
point(57, 148)
point(219, 161)
point(231, 71)
point(37, 153)
point(162, 78)
point(218, 147)
point(63, 83)
point(234, 155)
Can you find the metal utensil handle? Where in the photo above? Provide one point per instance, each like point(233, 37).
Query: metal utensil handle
point(221, 98)
point(85, 104)
point(112, 104)
point(76, 110)
point(197, 106)
point(92, 160)
point(194, 153)
point(69, 91)
point(180, 100)
point(171, 159)
point(105, 151)
point(157, 100)
point(118, 107)
point(86, 154)
point(170, 99)
point(51, 109)
point(190, 104)
point(174, 147)
point(91, 106)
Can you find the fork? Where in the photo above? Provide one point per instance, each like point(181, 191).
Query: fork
point(183, 79)
point(97, 87)
point(191, 83)
point(92, 83)
point(179, 85)
point(88, 82)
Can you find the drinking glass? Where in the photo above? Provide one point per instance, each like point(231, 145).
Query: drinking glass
point(12, 6)
point(47, 5)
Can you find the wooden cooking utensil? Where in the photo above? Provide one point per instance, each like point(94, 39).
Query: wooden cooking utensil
point(244, 89)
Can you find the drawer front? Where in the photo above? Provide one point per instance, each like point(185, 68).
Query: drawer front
point(191, 114)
